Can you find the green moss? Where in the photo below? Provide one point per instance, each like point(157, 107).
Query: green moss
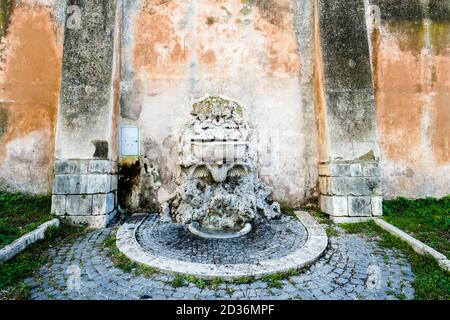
point(3, 121)
point(411, 35)
point(411, 10)
point(406, 20)
point(6, 7)
point(440, 10)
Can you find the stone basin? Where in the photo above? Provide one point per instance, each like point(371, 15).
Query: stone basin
point(218, 151)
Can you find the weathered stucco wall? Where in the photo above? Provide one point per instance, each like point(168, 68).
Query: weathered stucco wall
point(30, 62)
point(258, 52)
point(411, 64)
point(176, 52)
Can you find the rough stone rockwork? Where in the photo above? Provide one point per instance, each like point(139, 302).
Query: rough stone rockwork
point(85, 185)
point(349, 178)
point(219, 187)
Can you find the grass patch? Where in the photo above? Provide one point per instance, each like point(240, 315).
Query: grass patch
point(23, 265)
point(178, 281)
point(431, 282)
point(215, 283)
point(425, 219)
point(122, 262)
point(321, 217)
point(199, 283)
point(243, 280)
point(20, 214)
point(274, 280)
point(368, 228)
point(183, 280)
point(331, 231)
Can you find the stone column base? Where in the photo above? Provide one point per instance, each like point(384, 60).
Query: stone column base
point(350, 191)
point(85, 191)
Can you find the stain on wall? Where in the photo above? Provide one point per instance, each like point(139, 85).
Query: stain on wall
point(87, 97)
point(346, 104)
point(411, 62)
point(29, 88)
point(5, 11)
point(176, 52)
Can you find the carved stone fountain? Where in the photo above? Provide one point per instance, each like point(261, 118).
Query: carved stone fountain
point(219, 193)
point(219, 196)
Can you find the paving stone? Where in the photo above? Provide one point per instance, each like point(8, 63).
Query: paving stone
point(168, 240)
point(352, 254)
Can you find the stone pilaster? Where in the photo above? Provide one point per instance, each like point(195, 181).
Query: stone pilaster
point(85, 184)
point(85, 191)
point(350, 189)
point(349, 179)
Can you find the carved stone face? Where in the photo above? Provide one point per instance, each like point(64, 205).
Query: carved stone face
point(216, 140)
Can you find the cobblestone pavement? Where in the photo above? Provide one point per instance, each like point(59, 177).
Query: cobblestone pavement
point(267, 241)
point(353, 267)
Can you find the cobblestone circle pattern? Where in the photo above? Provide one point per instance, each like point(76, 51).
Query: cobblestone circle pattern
point(353, 267)
point(266, 241)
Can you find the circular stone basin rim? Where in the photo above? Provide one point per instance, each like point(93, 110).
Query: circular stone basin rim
point(195, 229)
point(305, 255)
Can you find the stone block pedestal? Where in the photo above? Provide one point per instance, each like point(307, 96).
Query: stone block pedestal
point(85, 191)
point(350, 191)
